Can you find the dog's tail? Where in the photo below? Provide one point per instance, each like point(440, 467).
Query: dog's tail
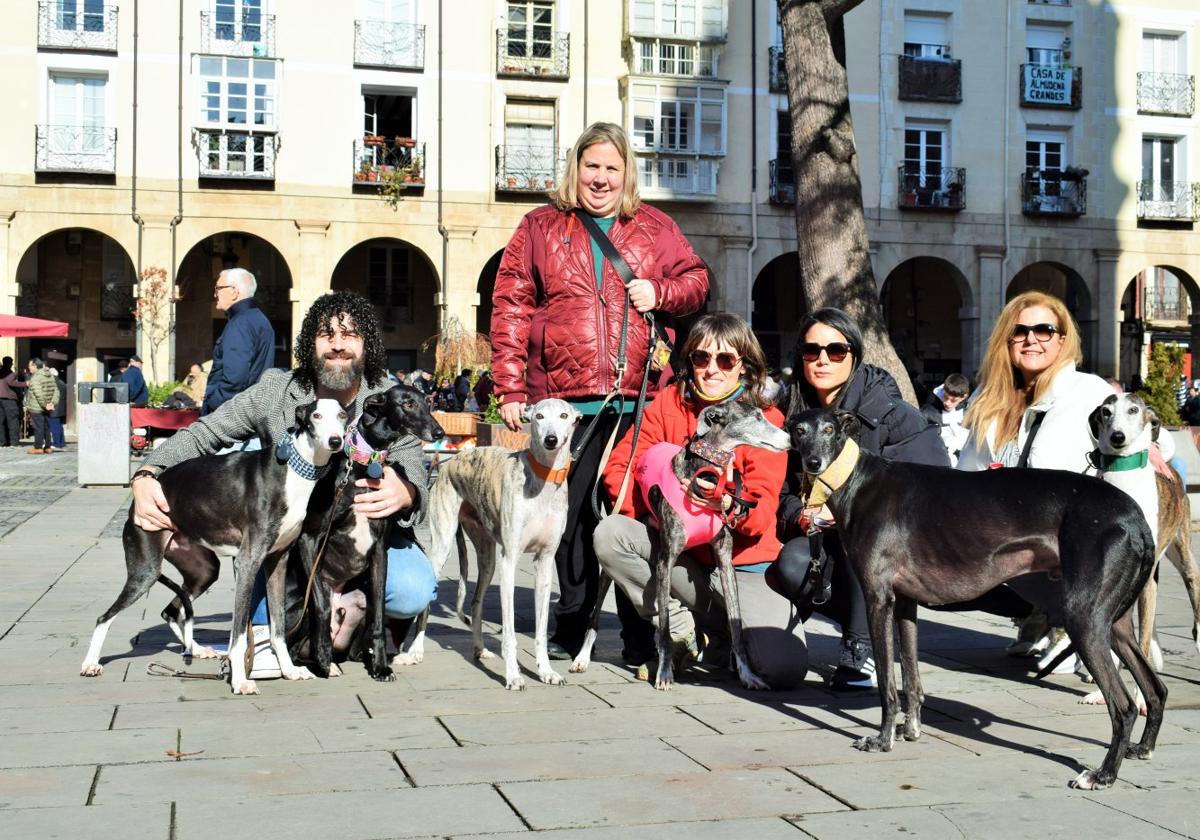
point(460, 543)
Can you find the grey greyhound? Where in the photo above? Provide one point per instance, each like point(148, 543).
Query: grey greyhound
point(515, 502)
point(892, 517)
point(719, 430)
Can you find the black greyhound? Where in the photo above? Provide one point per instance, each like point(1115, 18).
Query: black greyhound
point(930, 535)
point(356, 544)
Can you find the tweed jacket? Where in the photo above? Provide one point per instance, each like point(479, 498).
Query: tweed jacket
point(266, 410)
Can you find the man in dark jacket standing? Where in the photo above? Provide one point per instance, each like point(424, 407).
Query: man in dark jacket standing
point(246, 347)
point(10, 406)
point(139, 394)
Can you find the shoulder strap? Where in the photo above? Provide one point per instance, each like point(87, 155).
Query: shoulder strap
point(606, 247)
point(1023, 461)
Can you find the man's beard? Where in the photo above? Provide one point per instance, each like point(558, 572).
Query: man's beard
point(339, 378)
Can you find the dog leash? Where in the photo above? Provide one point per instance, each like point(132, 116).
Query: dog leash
point(159, 669)
point(312, 573)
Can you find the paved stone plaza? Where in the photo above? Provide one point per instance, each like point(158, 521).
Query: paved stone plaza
point(445, 751)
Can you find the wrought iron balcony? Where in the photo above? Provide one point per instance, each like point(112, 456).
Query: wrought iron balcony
point(783, 182)
point(91, 26)
point(1054, 193)
point(528, 169)
point(678, 177)
point(1051, 86)
point(235, 154)
point(76, 148)
point(379, 43)
point(777, 70)
point(930, 79)
point(1166, 93)
point(939, 189)
point(1170, 201)
point(524, 57)
point(251, 36)
point(376, 157)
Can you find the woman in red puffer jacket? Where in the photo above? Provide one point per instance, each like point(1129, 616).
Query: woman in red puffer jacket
point(557, 316)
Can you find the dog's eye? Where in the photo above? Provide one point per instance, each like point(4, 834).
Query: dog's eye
point(562, 416)
point(539, 417)
point(316, 415)
point(341, 415)
point(828, 430)
point(1133, 409)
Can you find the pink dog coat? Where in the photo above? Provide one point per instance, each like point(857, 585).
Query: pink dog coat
point(654, 470)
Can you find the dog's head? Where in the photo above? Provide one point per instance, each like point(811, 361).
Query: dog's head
point(551, 425)
point(324, 423)
point(1123, 424)
point(394, 413)
point(733, 424)
point(818, 436)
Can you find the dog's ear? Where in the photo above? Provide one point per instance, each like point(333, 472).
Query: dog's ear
point(847, 423)
point(714, 415)
point(304, 416)
point(1094, 420)
point(1155, 423)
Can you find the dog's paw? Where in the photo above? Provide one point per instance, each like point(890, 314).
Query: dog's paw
point(1091, 780)
point(408, 658)
point(91, 669)
point(516, 683)
point(908, 731)
point(204, 652)
point(552, 678)
point(1095, 698)
point(1139, 752)
point(335, 670)
point(483, 653)
point(385, 675)
point(245, 687)
point(873, 743)
point(299, 673)
point(749, 679)
point(579, 665)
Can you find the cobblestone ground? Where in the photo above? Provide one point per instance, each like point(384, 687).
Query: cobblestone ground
point(445, 751)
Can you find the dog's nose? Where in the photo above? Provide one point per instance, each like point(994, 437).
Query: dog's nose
point(1117, 438)
point(550, 441)
point(438, 433)
point(812, 464)
point(335, 442)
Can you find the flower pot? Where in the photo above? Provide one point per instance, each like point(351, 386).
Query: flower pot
point(497, 434)
point(456, 422)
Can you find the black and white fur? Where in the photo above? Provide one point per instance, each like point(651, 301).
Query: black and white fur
point(247, 505)
point(892, 517)
point(506, 508)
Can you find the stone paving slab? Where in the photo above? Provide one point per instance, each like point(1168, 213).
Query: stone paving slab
point(757, 829)
point(127, 822)
point(81, 717)
point(45, 787)
point(328, 734)
point(88, 748)
point(1173, 810)
point(239, 710)
point(541, 727)
point(384, 702)
point(650, 799)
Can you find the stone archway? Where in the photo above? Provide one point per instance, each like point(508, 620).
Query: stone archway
point(922, 299)
point(1159, 303)
point(486, 287)
point(779, 305)
point(400, 280)
point(1066, 284)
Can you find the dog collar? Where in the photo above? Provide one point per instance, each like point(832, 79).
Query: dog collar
point(360, 452)
point(554, 476)
point(301, 467)
point(1118, 463)
point(835, 475)
point(706, 451)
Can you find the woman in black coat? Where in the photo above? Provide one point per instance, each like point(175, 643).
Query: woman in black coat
point(828, 373)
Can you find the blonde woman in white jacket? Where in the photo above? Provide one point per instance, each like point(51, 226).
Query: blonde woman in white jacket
point(1030, 386)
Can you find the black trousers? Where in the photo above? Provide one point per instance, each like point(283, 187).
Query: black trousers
point(41, 429)
point(10, 422)
point(575, 561)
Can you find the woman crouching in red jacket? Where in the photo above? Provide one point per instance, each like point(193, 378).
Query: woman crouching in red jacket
point(724, 362)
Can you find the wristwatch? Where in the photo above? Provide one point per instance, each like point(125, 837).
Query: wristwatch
point(142, 473)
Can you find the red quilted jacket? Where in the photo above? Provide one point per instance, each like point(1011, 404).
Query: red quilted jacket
point(553, 334)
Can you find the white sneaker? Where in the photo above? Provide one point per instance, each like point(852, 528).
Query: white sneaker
point(1061, 642)
point(266, 664)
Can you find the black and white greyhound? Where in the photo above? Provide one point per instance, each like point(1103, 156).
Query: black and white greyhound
point(915, 534)
point(247, 505)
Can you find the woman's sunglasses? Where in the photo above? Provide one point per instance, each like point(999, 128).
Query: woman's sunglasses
point(810, 351)
point(725, 361)
point(1041, 332)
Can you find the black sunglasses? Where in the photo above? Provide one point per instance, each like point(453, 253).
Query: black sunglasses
point(1041, 332)
point(810, 351)
point(725, 361)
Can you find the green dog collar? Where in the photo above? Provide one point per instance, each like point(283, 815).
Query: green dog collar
point(1119, 463)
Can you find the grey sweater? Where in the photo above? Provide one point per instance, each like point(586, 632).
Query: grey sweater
point(266, 410)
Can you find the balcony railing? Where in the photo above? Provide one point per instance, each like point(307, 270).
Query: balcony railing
point(235, 154)
point(1053, 194)
point(681, 177)
point(777, 70)
point(77, 27)
point(1166, 93)
point(379, 43)
point(1051, 86)
point(1169, 201)
point(251, 36)
point(543, 59)
point(76, 148)
point(375, 158)
point(528, 169)
point(783, 182)
point(930, 79)
point(943, 189)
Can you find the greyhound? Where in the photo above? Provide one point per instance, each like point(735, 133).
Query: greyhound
point(892, 516)
point(249, 506)
point(703, 461)
point(515, 502)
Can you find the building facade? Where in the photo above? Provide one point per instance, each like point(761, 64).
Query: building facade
point(1034, 145)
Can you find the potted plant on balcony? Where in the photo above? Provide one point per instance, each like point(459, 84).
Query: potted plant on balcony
point(406, 142)
point(366, 172)
point(413, 173)
point(373, 139)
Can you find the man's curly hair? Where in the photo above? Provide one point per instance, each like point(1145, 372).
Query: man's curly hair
point(338, 306)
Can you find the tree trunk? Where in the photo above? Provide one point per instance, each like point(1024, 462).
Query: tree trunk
point(831, 230)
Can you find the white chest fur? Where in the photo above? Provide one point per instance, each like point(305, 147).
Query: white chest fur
point(1142, 486)
point(296, 491)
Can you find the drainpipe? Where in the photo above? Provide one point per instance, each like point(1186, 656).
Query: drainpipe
point(753, 161)
point(585, 62)
point(133, 170)
point(1007, 187)
point(440, 157)
point(178, 189)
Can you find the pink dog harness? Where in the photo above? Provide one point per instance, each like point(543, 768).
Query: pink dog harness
point(654, 470)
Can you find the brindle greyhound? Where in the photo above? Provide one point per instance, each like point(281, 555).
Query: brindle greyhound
point(919, 534)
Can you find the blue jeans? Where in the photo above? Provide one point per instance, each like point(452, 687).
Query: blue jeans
point(411, 584)
point(57, 439)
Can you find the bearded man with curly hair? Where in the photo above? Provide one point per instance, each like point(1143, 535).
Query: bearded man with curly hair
point(339, 355)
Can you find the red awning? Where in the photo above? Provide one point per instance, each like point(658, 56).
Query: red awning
point(17, 326)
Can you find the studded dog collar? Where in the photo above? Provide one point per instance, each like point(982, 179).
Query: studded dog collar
point(706, 451)
point(361, 452)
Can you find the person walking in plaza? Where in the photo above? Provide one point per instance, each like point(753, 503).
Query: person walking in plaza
point(830, 373)
point(246, 347)
point(562, 317)
point(339, 355)
point(41, 395)
point(58, 439)
point(723, 362)
point(139, 394)
point(10, 405)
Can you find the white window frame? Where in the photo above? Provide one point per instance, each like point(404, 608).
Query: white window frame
point(68, 133)
point(927, 36)
point(923, 160)
point(226, 96)
point(1045, 45)
point(84, 12)
point(241, 8)
point(1179, 161)
point(529, 41)
point(701, 19)
point(663, 106)
point(1152, 63)
point(1044, 136)
point(393, 11)
point(661, 57)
